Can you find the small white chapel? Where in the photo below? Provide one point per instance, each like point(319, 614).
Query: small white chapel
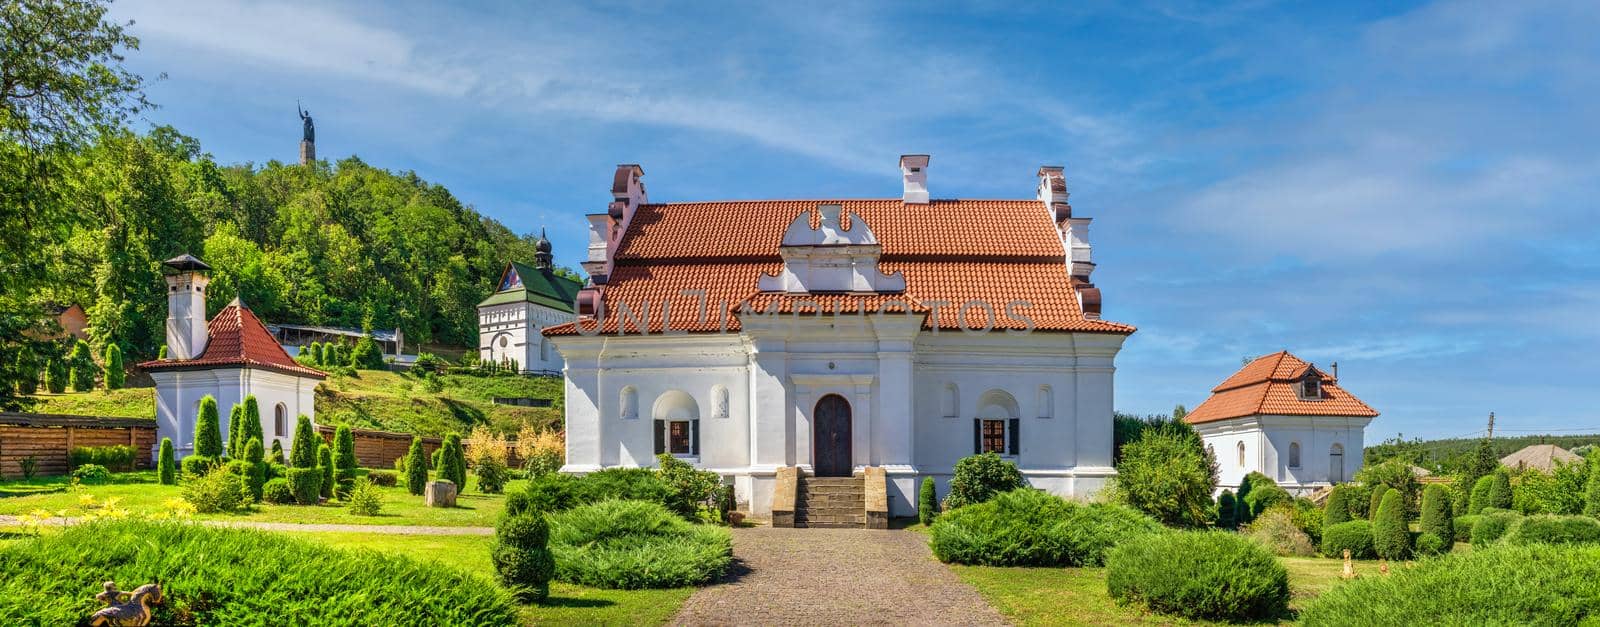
point(527, 300)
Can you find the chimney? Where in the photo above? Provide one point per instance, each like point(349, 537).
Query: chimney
point(914, 171)
point(186, 278)
point(1053, 191)
point(606, 229)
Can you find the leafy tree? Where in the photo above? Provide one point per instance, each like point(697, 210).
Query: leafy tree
point(344, 457)
point(416, 468)
point(115, 373)
point(1391, 535)
point(927, 502)
point(56, 375)
point(303, 452)
point(367, 355)
point(325, 462)
point(1338, 508)
point(207, 431)
point(1163, 475)
point(83, 368)
point(1500, 495)
point(1436, 518)
point(167, 464)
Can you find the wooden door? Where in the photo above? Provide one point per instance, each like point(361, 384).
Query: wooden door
point(830, 437)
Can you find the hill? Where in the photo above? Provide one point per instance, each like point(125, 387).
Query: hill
point(1451, 455)
point(373, 399)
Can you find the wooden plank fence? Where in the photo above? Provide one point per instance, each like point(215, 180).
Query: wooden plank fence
point(48, 438)
point(379, 449)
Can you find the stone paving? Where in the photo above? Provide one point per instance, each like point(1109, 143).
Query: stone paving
point(836, 577)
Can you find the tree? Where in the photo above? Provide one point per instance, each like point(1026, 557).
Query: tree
point(115, 372)
point(927, 502)
point(1436, 518)
point(235, 439)
point(207, 431)
point(344, 458)
point(1226, 510)
point(1163, 475)
point(1484, 461)
point(167, 464)
point(252, 419)
point(258, 467)
point(325, 462)
point(303, 450)
point(56, 374)
point(1396, 474)
point(1500, 490)
point(521, 555)
point(316, 353)
point(1391, 535)
point(1480, 494)
point(1338, 508)
point(367, 355)
point(416, 467)
point(453, 461)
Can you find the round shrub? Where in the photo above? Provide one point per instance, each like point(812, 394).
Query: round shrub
point(1463, 527)
point(1203, 575)
point(522, 556)
point(198, 465)
point(1491, 526)
point(1226, 510)
point(1166, 474)
point(217, 576)
point(1029, 527)
point(1553, 529)
point(1499, 585)
point(383, 478)
point(91, 474)
point(1276, 530)
point(221, 490)
point(1500, 494)
point(1338, 508)
point(1355, 535)
point(492, 475)
point(979, 477)
point(1479, 497)
point(1391, 535)
point(636, 544)
point(277, 492)
point(1429, 543)
point(306, 483)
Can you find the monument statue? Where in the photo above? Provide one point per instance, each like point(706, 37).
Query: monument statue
point(308, 128)
point(125, 609)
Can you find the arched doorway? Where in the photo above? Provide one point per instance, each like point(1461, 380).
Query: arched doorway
point(1336, 463)
point(830, 437)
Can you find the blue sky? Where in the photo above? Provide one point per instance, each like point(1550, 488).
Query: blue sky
point(1407, 189)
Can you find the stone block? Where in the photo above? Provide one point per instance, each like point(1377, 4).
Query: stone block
point(877, 497)
point(783, 496)
point(439, 494)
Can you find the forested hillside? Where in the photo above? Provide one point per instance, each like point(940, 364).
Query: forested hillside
point(1453, 455)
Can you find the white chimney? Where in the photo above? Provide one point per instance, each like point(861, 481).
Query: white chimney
point(914, 170)
point(187, 278)
point(1053, 191)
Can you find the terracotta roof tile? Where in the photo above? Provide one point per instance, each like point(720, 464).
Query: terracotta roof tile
point(237, 338)
point(1267, 386)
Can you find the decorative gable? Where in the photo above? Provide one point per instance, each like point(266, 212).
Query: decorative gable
point(839, 255)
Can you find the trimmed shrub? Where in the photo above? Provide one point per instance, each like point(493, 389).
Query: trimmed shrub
point(1463, 527)
point(277, 452)
point(93, 474)
point(557, 492)
point(306, 483)
point(344, 458)
point(1355, 535)
point(277, 492)
point(416, 468)
point(1436, 520)
point(252, 419)
point(1227, 510)
point(492, 475)
point(1200, 575)
point(1491, 526)
point(1164, 474)
point(453, 461)
point(688, 489)
point(325, 464)
point(979, 478)
point(1391, 535)
point(166, 464)
point(1359, 500)
point(1500, 495)
point(1553, 529)
point(234, 443)
point(522, 557)
point(1259, 492)
point(927, 501)
point(1429, 543)
point(303, 449)
point(198, 465)
point(116, 375)
point(635, 544)
point(383, 478)
point(221, 490)
point(1500, 585)
point(207, 431)
point(1338, 508)
point(117, 457)
point(257, 476)
point(83, 368)
point(365, 498)
point(1395, 474)
point(1029, 527)
point(1276, 530)
point(56, 374)
point(214, 576)
point(1480, 494)
point(1375, 501)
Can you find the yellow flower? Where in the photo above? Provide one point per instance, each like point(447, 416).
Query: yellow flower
point(86, 500)
point(112, 502)
point(41, 513)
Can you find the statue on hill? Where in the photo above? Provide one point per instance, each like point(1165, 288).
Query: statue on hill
point(308, 128)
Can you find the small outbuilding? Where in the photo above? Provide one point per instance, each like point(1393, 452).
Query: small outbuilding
point(1541, 457)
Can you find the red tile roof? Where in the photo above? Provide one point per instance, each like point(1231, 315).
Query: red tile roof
point(238, 339)
point(958, 251)
point(1267, 386)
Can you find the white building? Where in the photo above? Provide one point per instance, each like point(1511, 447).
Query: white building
point(228, 358)
point(528, 300)
point(746, 336)
point(1283, 418)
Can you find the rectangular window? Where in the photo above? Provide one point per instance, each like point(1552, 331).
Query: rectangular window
point(994, 436)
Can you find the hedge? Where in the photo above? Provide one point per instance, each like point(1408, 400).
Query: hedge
point(1499, 585)
point(1553, 529)
point(306, 484)
point(1491, 526)
point(1391, 535)
point(636, 544)
point(1209, 575)
point(117, 457)
point(978, 478)
point(1028, 527)
point(1355, 535)
point(1338, 508)
point(1463, 527)
point(217, 576)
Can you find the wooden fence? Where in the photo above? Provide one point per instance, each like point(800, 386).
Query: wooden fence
point(379, 449)
point(47, 438)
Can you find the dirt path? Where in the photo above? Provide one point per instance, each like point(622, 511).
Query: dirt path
point(399, 530)
point(836, 577)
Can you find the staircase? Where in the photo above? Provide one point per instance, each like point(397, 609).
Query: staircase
point(831, 502)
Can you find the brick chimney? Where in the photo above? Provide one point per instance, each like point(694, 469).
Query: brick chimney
point(914, 171)
point(187, 278)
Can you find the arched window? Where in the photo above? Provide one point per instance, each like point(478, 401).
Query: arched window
point(950, 401)
point(1336, 463)
point(1294, 454)
point(996, 429)
point(630, 403)
point(677, 424)
point(1241, 454)
point(544, 349)
point(1047, 402)
point(280, 420)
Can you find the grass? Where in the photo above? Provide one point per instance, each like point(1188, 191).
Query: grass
point(568, 604)
point(138, 492)
point(1055, 596)
point(373, 399)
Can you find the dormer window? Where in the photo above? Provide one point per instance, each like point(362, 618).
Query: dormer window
point(1311, 387)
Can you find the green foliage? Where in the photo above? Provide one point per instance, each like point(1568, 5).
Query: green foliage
point(256, 458)
point(492, 475)
point(1259, 492)
point(1227, 510)
point(688, 489)
point(56, 374)
point(91, 474)
point(198, 465)
point(1276, 530)
point(217, 491)
point(117, 457)
point(1128, 428)
point(1463, 527)
point(277, 452)
point(29, 466)
point(365, 499)
point(367, 355)
point(1480, 494)
point(1491, 526)
point(166, 464)
point(306, 484)
point(1163, 474)
point(979, 477)
point(1355, 535)
point(1027, 527)
point(214, 576)
point(1429, 543)
point(1338, 508)
point(83, 368)
point(1500, 495)
point(1306, 517)
point(1551, 529)
point(416, 468)
point(317, 354)
point(116, 373)
point(927, 502)
point(556, 492)
point(278, 492)
point(1436, 517)
point(635, 544)
point(1201, 575)
point(252, 420)
point(452, 463)
point(344, 457)
point(1591, 506)
point(325, 464)
point(303, 448)
point(235, 440)
point(522, 557)
point(1501, 585)
point(383, 478)
point(1391, 535)
point(1395, 474)
point(207, 430)
point(1560, 491)
point(427, 363)
point(1375, 500)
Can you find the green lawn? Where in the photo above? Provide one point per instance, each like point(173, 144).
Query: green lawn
point(1077, 596)
point(137, 492)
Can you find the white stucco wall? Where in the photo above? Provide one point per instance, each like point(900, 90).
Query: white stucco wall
point(516, 323)
point(1267, 442)
point(178, 394)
